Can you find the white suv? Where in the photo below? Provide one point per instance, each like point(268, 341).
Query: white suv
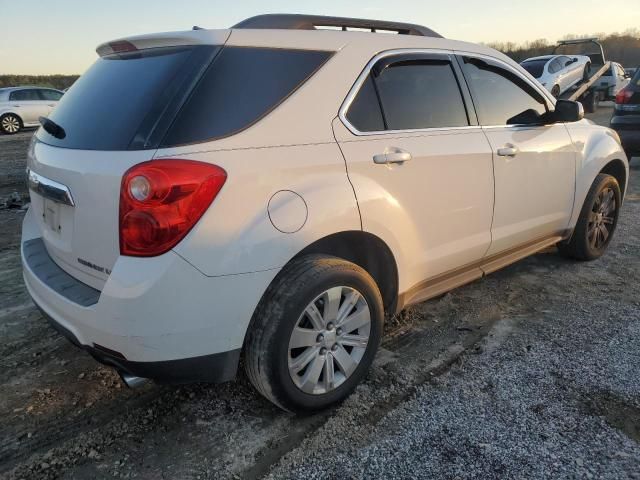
point(274, 190)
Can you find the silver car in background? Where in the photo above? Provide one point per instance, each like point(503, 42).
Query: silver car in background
point(22, 106)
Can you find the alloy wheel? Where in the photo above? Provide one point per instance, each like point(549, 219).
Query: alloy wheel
point(329, 340)
point(602, 219)
point(10, 124)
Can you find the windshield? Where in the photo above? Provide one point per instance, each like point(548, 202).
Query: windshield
point(535, 67)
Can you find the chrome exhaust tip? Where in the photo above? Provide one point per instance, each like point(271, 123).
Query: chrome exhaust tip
point(132, 381)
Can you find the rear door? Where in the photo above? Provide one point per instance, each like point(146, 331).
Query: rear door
point(534, 165)
point(420, 165)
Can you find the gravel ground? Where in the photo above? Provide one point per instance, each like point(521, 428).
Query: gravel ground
point(532, 372)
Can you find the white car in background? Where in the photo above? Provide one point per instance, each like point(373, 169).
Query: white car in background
point(22, 106)
point(558, 73)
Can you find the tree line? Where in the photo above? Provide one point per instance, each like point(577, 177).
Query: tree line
point(50, 81)
point(623, 48)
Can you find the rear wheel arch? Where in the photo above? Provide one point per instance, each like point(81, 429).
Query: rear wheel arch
point(368, 252)
point(361, 248)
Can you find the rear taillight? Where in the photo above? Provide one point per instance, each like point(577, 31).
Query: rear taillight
point(624, 96)
point(161, 200)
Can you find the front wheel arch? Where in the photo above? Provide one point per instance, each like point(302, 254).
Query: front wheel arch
point(617, 170)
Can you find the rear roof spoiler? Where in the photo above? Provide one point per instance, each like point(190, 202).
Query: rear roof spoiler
point(312, 22)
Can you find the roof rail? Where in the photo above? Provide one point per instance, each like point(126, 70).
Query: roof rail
point(313, 22)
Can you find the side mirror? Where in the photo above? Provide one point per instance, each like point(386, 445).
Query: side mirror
point(568, 111)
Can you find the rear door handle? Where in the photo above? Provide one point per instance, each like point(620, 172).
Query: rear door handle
point(395, 155)
point(508, 151)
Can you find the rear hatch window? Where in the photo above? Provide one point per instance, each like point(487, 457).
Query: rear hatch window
point(176, 95)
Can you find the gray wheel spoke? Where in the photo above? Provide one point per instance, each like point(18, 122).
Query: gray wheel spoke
point(332, 299)
point(357, 319)
point(348, 304)
point(359, 341)
point(344, 360)
point(303, 359)
point(315, 317)
point(303, 337)
point(329, 372)
point(605, 233)
point(311, 376)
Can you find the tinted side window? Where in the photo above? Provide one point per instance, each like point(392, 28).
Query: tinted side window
point(241, 86)
point(500, 95)
point(364, 112)
point(421, 94)
point(24, 95)
point(50, 95)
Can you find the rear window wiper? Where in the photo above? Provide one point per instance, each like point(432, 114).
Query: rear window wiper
point(52, 128)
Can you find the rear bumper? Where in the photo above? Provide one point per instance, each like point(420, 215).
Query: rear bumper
point(213, 368)
point(157, 318)
point(628, 128)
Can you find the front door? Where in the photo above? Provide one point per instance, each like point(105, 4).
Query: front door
point(534, 165)
point(420, 166)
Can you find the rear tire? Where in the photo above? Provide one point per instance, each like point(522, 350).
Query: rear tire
point(314, 291)
point(10, 124)
point(555, 91)
point(591, 101)
point(585, 74)
point(597, 221)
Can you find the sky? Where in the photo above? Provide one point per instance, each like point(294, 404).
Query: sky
point(61, 37)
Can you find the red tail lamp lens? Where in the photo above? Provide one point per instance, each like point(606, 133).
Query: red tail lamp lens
point(624, 96)
point(161, 200)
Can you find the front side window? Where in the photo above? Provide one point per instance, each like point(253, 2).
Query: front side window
point(24, 95)
point(412, 93)
point(500, 96)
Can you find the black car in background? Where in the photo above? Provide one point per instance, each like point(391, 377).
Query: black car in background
point(626, 116)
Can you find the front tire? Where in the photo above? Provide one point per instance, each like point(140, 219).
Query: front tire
point(10, 124)
point(314, 334)
point(597, 221)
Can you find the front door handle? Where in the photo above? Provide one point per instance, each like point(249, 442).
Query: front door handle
point(508, 151)
point(394, 155)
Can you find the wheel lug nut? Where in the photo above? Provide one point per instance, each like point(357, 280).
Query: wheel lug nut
point(320, 338)
point(334, 347)
point(339, 331)
point(323, 351)
point(330, 326)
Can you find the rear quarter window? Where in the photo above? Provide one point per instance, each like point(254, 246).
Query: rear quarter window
point(242, 85)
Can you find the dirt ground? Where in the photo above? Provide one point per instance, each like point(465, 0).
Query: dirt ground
point(532, 372)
